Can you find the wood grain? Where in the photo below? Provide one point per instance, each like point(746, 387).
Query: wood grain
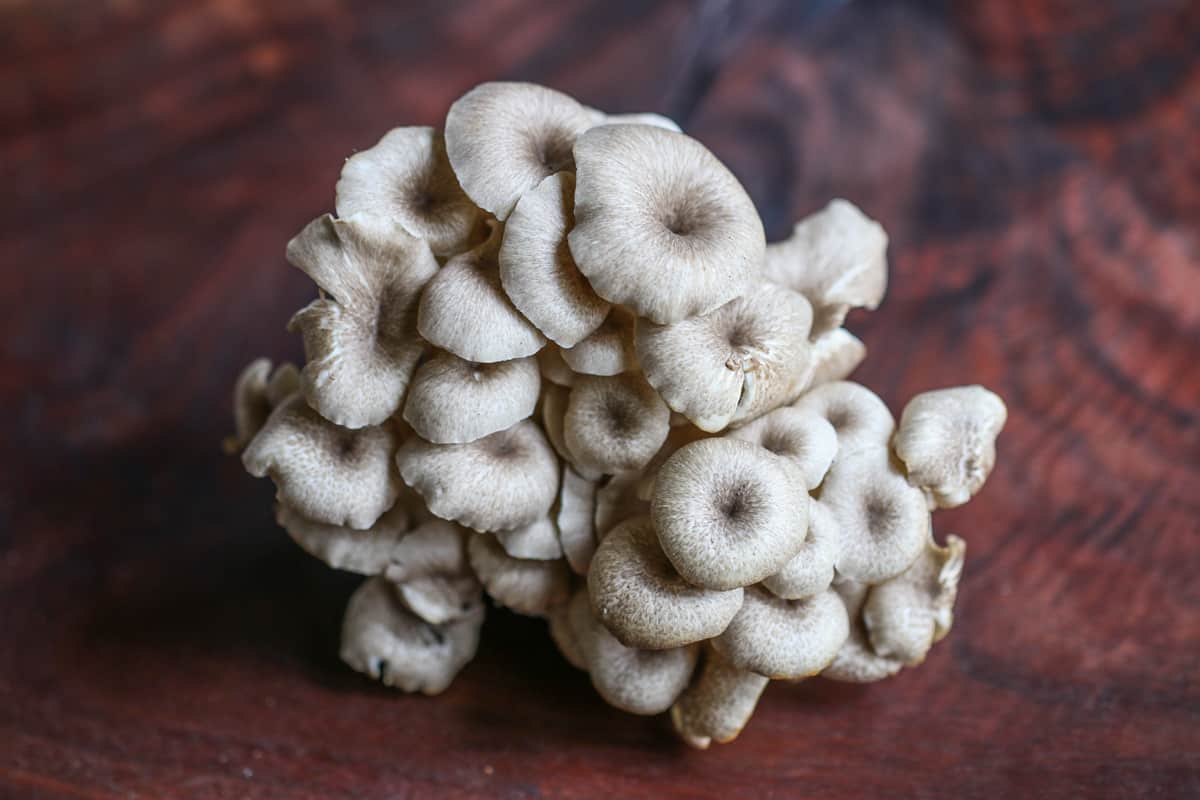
point(1036, 164)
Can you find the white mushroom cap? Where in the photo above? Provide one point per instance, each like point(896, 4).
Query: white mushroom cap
point(537, 541)
point(503, 139)
point(811, 570)
point(641, 599)
point(906, 615)
point(787, 639)
point(618, 500)
point(527, 586)
point(806, 442)
point(643, 118)
point(360, 340)
point(554, 367)
point(366, 552)
point(947, 441)
point(718, 704)
point(728, 513)
point(614, 424)
point(856, 662)
point(256, 392)
point(576, 519)
point(608, 350)
point(432, 576)
point(382, 639)
point(536, 268)
point(405, 182)
point(464, 310)
point(837, 258)
point(328, 474)
point(747, 357)
point(861, 419)
point(496, 483)
point(835, 354)
point(452, 401)
point(637, 681)
point(661, 225)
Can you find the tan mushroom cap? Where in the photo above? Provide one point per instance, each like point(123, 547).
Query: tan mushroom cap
point(536, 268)
point(432, 576)
point(386, 641)
point(642, 600)
point(608, 350)
point(527, 586)
point(718, 703)
point(554, 367)
point(806, 442)
point(503, 139)
point(835, 354)
point(537, 541)
point(614, 424)
point(906, 615)
point(837, 258)
point(617, 500)
point(947, 441)
point(661, 226)
point(786, 639)
point(405, 182)
point(575, 517)
point(366, 552)
point(679, 436)
point(464, 310)
point(728, 513)
point(257, 391)
point(328, 474)
point(749, 356)
point(496, 483)
point(452, 401)
point(360, 340)
point(862, 421)
point(856, 662)
point(637, 681)
point(811, 570)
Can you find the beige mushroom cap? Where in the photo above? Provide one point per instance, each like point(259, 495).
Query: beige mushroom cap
point(856, 662)
point(405, 182)
point(504, 139)
point(257, 391)
point(906, 615)
point(554, 412)
point(614, 424)
point(328, 474)
point(947, 441)
point(360, 340)
point(432, 576)
point(608, 350)
point(805, 441)
point(641, 599)
point(811, 570)
point(745, 358)
point(728, 513)
point(837, 258)
point(661, 225)
point(835, 354)
point(536, 268)
point(563, 636)
point(496, 483)
point(452, 401)
point(464, 310)
point(384, 640)
point(862, 421)
point(787, 639)
point(718, 703)
point(528, 586)
point(554, 367)
point(366, 552)
point(537, 541)
point(575, 517)
point(637, 681)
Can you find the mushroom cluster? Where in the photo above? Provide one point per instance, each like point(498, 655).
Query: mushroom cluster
point(554, 360)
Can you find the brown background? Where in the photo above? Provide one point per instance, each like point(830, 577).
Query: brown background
point(1038, 167)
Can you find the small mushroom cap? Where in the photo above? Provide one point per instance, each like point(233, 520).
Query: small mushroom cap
point(835, 354)
point(643, 601)
point(366, 552)
point(554, 412)
point(464, 310)
point(527, 586)
point(614, 424)
point(328, 474)
point(564, 637)
point(554, 368)
point(536, 268)
point(608, 350)
point(805, 441)
point(504, 139)
point(637, 681)
point(947, 441)
point(811, 570)
point(360, 340)
point(787, 639)
point(679, 436)
point(537, 541)
point(661, 225)
point(452, 401)
point(384, 640)
point(856, 662)
point(736, 363)
point(432, 576)
point(837, 258)
point(576, 519)
point(405, 182)
point(618, 500)
point(718, 704)
point(728, 513)
point(862, 421)
point(256, 392)
point(496, 483)
point(643, 118)
point(906, 615)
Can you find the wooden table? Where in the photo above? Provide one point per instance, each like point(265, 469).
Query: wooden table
point(1037, 165)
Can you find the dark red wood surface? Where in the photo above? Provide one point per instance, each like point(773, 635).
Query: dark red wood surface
point(1038, 167)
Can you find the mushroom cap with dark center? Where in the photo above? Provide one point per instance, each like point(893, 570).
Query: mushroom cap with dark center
point(862, 421)
point(614, 424)
point(451, 401)
point(805, 441)
point(785, 639)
